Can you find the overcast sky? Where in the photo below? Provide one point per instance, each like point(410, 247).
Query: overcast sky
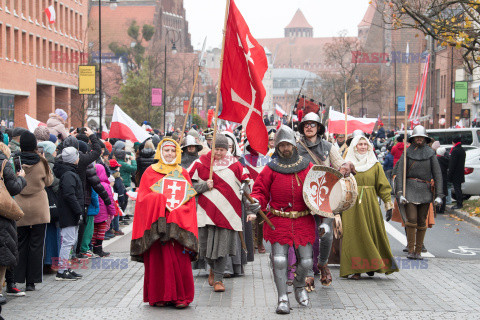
point(268, 18)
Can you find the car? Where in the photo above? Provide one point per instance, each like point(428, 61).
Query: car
point(471, 187)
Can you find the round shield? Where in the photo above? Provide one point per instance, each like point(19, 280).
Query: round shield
point(327, 192)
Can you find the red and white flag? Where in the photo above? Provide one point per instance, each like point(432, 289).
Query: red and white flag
point(279, 111)
point(124, 127)
point(105, 132)
point(50, 11)
point(336, 123)
point(244, 65)
point(419, 94)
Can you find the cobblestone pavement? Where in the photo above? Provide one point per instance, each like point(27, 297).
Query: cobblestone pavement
point(443, 289)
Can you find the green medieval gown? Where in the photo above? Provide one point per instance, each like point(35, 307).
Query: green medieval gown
point(365, 245)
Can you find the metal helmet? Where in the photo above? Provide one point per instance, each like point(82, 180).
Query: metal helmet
point(419, 131)
point(190, 141)
point(311, 116)
point(285, 134)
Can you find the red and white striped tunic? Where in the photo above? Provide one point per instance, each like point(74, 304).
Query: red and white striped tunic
point(221, 206)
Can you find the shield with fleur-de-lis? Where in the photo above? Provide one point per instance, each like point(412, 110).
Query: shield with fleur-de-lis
point(326, 191)
point(176, 189)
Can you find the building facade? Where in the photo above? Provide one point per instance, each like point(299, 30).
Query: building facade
point(39, 60)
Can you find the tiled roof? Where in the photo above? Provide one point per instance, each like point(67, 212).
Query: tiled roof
point(300, 53)
point(116, 22)
point(299, 21)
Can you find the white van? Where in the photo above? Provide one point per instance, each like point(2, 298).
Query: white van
point(470, 136)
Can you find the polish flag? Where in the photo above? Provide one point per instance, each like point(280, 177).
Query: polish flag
point(336, 123)
point(279, 111)
point(124, 127)
point(50, 11)
point(105, 132)
point(33, 123)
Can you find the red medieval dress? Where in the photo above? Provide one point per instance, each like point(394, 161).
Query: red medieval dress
point(166, 242)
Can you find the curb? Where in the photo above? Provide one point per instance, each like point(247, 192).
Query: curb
point(465, 216)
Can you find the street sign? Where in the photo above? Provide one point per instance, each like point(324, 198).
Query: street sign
point(461, 91)
point(86, 80)
point(401, 103)
point(156, 97)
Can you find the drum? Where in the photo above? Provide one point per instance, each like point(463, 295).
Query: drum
point(326, 191)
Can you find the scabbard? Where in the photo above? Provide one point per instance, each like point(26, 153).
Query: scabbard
point(261, 213)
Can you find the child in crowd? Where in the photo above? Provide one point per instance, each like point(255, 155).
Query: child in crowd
point(119, 189)
point(104, 217)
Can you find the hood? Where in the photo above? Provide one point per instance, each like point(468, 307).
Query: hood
point(61, 167)
point(101, 173)
point(56, 117)
point(71, 141)
point(119, 145)
point(147, 153)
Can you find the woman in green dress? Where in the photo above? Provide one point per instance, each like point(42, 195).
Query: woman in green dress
point(365, 246)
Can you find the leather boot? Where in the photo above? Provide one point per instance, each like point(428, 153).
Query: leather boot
point(421, 231)
point(411, 233)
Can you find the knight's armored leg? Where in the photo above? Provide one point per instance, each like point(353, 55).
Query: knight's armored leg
point(279, 257)
point(325, 247)
point(304, 255)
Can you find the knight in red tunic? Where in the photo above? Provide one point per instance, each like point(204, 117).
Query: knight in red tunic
point(165, 233)
point(278, 191)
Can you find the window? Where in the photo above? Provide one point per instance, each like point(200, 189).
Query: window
point(7, 107)
point(30, 50)
point(15, 6)
point(72, 30)
point(23, 9)
point(44, 16)
point(16, 45)
point(39, 51)
point(50, 49)
point(65, 21)
point(24, 47)
point(81, 27)
point(77, 35)
point(1, 40)
point(7, 5)
point(60, 18)
point(30, 8)
point(44, 53)
point(56, 57)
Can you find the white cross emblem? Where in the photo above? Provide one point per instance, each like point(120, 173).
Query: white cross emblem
point(174, 187)
point(172, 201)
point(248, 55)
point(251, 107)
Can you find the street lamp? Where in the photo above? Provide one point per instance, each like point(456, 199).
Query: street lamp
point(113, 6)
point(175, 38)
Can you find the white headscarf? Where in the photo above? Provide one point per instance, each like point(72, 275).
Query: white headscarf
point(362, 162)
point(236, 148)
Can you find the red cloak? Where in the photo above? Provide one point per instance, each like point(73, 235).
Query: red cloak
point(152, 221)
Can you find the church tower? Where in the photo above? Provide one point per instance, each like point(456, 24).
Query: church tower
point(299, 27)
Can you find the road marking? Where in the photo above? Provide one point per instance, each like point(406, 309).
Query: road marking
point(465, 251)
point(125, 230)
point(400, 237)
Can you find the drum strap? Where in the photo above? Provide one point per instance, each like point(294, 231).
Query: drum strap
point(314, 157)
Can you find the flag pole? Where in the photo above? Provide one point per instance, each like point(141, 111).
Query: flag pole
point(190, 103)
point(405, 127)
point(218, 89)
point(346, 112)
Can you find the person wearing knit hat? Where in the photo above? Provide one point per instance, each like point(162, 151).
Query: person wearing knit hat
point(70, 155)
point(221, 141)
point(28, 142)
point(56, 123)
point(42, 133)
point(48, 147)
point(53, 138)
point(192, 132)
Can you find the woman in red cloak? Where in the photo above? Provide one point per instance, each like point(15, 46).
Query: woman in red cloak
point(165, 233)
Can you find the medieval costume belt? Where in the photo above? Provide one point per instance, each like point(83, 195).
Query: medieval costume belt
point(430, 183)
point(291, 214)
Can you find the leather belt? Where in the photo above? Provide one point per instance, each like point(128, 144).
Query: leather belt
point(291, 214)
point(431, 183)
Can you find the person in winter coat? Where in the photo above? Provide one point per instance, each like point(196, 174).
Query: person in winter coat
point(92, 211)
point(145, 159)
point(104, 217)
point(128, 167)
point(14, 144)
point(8, 230)
point(121, 192)
point(443, 160)
point(397, 150)
point(71, 202)
point(388, 165)
point(56, 123)
point(456, 170)
point(34, 202)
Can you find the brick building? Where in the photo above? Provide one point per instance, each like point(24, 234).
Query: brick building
point(38, 60)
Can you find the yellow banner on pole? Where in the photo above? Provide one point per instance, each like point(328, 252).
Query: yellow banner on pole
point(86, 80)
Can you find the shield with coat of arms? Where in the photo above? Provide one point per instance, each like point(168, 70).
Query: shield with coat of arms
point(176, 189)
